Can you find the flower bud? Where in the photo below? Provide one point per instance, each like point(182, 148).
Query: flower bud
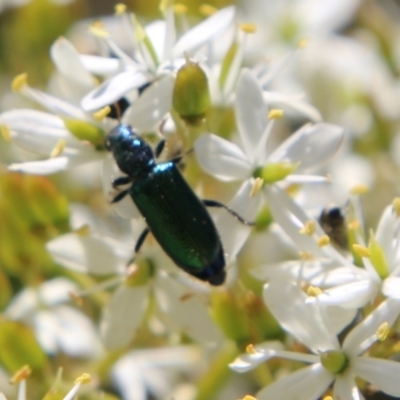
point(191, 97)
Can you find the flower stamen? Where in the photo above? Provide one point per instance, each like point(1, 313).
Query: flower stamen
point(257, 185)
point(19, 82)
point(58, 148)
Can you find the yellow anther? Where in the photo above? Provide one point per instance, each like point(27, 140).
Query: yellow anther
point(102, 113)
point(302, 43)
point(120, 9)
point(6, 133)
point(306, 255)
point(359, 189)
point(313, 291)
point(84, 378)
point(97, 29)
point(323, 241)
point(353, 225)
point(275, 113)
point(19, 82)
point(328, 398)
point(248, 28)
point(396, 206)
point(248, 397)
point(22, 374)
point(58, 149)
point(361, 251)
point(250, 349)
point(308, 228)
point(83, 231)
point(207, 10)
point(383, 332)
point(257, 185)
point(180, 9)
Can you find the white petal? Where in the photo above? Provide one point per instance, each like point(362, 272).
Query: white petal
point(291, 218)
point(187, 313)
point(390, 287)
point(23, 305)
point(100, 65)
point(46, 329)
point(292, 104)
point(311, 145)
point(45, 167)
point(221, 158)
point(387, 311)
point(54, 104)
point(123, 315)
point(76, 334)
point(345, 387)
point(128, 380)
point(383, 374)
point(37, 131)
point(113, 89)
point(84, 254)
point(351, 295)
point(57, 164)
point(151, 106)
point(386, 233)
point(304, 321)
point(305, 384)
point(67, 60)
point(248, 361)
point(234, 233)
point(204, 31)
point(339, 318)
point(170, 34)
point(156, 32)
point(56, 291)
point(251, 113)
point(342, 275)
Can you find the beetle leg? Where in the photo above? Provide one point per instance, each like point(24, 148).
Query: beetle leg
point(119, 196)
point(159, 148)
point(213, 203)
point(123, 180)
point(141, 239)
point(139, 243)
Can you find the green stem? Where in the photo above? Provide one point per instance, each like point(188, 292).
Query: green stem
point(217, 374)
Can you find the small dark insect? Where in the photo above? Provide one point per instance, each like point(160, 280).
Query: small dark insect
point(333, 222)
point(175, 216)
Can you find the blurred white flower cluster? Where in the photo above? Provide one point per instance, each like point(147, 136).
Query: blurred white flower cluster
point(304, 282)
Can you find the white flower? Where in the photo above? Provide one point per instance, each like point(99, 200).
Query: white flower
point(305, 149)
point(330, 361)
point(152, 371)
point(57, 326)
point(66, 136)
point(157, 55)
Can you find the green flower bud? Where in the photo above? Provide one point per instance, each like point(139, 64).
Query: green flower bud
point(84, 130)
point(378, 258)
point(230, 316)
point(191, 97)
